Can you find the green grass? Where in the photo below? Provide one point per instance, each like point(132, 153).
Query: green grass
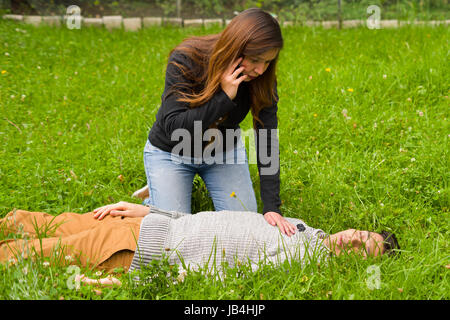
point(76, 107)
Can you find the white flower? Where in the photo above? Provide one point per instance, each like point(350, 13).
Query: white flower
point(295, 151)
point(345, 114)
point(98, 273)
point(68, 258)
point(384, 76)
point(25, 270)
point(13, 96)
point(46, 263)
point(181, 275)
point(413, 159)
point(6, 54)
point(317, 152)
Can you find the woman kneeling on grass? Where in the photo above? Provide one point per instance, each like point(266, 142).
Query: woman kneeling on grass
point(130, 235)
point(212, 83)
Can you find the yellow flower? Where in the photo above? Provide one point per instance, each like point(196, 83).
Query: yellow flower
point(327, 69)
point(4, 71)
point(233, 194)
point(315, 115)
point(350, 90)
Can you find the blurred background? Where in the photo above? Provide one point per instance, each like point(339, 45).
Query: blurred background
point(292, 10)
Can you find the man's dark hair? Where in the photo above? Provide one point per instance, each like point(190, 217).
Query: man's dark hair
point(390, 243)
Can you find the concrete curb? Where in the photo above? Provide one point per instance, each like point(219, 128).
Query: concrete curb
point(137, 23)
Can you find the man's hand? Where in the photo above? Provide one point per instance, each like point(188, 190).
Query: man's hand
point(277, 219)
point(124, 209)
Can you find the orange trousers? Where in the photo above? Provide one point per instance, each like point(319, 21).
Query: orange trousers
point(102, 244)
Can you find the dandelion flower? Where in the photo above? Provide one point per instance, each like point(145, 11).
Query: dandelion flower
point(4, 71)
point(350, 89)
point(327, 69)
point(315, 115)
point(233, 194)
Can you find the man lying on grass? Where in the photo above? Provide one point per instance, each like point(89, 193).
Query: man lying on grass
point(130, 235)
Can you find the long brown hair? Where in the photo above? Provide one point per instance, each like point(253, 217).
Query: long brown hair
point(250, 33)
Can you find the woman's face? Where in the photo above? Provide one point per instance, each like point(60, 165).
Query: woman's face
point(257, 65)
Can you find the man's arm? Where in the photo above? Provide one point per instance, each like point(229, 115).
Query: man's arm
point(133, 210)
point(122, 208)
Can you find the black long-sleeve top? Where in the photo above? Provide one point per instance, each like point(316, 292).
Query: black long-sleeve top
point(173, 115)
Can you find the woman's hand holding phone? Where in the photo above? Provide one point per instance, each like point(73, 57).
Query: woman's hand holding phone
point(230, 81)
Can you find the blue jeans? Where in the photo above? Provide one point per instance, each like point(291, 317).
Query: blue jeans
point(170, 179)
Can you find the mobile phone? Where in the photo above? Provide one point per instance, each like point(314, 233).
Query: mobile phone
point(241, 74)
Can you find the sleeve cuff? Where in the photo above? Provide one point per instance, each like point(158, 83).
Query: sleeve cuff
point(268, 209)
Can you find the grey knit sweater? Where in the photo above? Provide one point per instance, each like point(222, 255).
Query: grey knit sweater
point(210, 238)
